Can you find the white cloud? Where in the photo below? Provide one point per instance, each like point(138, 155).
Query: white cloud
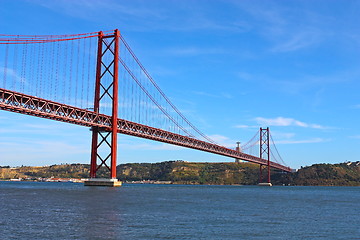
point(356, 106)
point(223, 140)
point(246, 76)
point(45, 148)
point(356, 136)
point(281, 121)
point(297, 41)
point(282, 135)
point(312, 140)
point(50, 128)
point(247, 126)
point(146, 146)
point(193, 51)
point(220, 95)
point(13, 75)
point(145, 15)
point(279, 22)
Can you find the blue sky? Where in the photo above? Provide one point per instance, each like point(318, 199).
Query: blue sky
point(229, 66)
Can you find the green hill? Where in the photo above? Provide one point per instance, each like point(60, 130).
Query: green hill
point(191, 173)
point(181, 172)
point(342, 174)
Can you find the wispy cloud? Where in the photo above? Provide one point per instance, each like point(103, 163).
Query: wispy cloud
point(87, 9)
point(356, 137)
point(282, 135)
point(357, 106)
point(247, 126)
point(281, 121)
point(223, 140)
point(147, 146)
point(146, 15)
point(312, 140)
point(304, 83)
point(12, 74)
point(246, 76)
point(47, 147)
point(193, 51)
point(298, 41)
point(219, 95)
point(27, 130)
point(159, 70)
point(291, 138)
point(279, 23)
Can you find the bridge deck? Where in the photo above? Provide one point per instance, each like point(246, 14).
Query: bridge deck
point(34, 106)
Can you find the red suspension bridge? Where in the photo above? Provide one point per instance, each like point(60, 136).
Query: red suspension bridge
point(95, 80)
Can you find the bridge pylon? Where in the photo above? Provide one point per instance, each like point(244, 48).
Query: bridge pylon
point(238, 149)
point(265, 154)
point(106, 88)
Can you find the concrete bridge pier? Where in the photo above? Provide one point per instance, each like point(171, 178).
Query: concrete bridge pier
point(265, 184)
point(103, 182)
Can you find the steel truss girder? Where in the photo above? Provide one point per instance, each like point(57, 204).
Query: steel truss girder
point(29, 105)
point(34, 106)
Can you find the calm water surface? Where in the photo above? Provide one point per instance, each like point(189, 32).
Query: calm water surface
point(31, 210)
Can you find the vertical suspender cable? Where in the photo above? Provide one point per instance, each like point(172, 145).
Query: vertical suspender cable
point(77, 72)
point(14, 72)
point(70, 74)
point(64, 78)
point(23, 68)
point(57, 70)
point(42, 71)
point(5, 64)
point(83, 75)
point(88, 76)
point(37, 73)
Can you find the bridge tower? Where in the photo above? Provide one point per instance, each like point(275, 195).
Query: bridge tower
point(106, 88)
point(238, 149)
point(265, 154)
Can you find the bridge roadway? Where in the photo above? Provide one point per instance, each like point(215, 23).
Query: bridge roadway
point(34, 106)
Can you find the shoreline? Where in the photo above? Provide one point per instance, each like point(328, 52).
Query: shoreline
point(173, 183)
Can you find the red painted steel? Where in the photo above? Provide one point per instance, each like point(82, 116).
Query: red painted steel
point(268, 146)
point(30, 105)
point(265, 149)
point(103, 69)
point(115, 101)
point(29, 39)
point(95, 130)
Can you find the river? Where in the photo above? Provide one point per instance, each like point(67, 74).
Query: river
point(32, 210)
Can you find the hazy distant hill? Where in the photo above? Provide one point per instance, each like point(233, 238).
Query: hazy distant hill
point(181, 172)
